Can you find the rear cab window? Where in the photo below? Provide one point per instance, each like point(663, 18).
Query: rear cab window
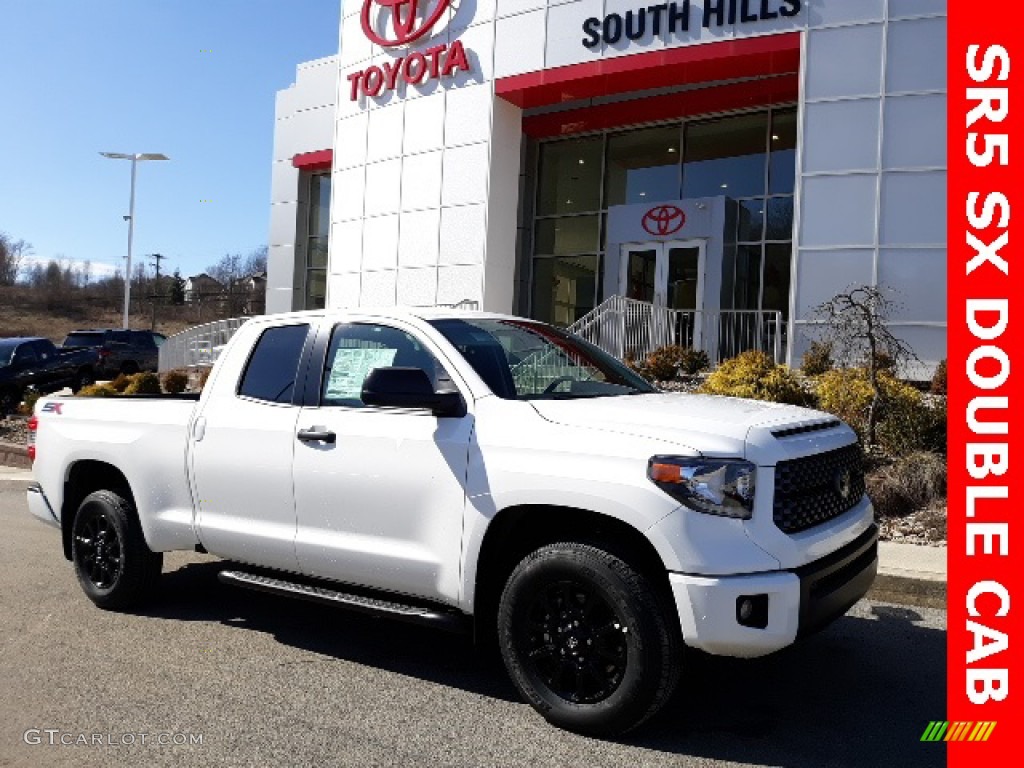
point(274, 363)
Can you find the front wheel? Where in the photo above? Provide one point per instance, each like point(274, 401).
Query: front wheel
point(115, 567)
point(586, 640)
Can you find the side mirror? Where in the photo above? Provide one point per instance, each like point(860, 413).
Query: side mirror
point(409, 388)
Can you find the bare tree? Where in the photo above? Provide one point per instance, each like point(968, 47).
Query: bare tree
point(854, 325)
point(12, 257)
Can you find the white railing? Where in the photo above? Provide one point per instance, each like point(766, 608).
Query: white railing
point(627, 328)
point(198, 346)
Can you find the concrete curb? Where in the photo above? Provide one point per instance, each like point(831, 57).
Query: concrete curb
point(908, 590)
point(14, 455)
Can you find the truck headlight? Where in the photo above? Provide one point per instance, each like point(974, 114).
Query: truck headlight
point(722, 487)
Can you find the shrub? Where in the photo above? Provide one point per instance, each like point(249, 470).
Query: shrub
point(98, 390)
point(693, 361)
point(120, 382)
point(145, 383)
point(913, 481)
point(204, 374)
point(817, 359)
point(905, 421)
point(28, 402)
point(663, 363)
point(755, 375)
point(175, 382)
point(939, 379)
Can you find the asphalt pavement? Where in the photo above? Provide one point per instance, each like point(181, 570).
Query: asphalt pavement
point(267, 681)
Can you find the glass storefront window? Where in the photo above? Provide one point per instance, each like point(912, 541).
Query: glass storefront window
point(318, 228)
point(782, 162)
point(572, 234)
point(564, 289)
point(750, 224)
point(777, 258)
point(570, 177)
point(316, 288)
point(780, 219)
point(725, 157)
point(748, 277)
point(643, 166)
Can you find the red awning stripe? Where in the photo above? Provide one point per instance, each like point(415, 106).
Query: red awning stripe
point(313, 161)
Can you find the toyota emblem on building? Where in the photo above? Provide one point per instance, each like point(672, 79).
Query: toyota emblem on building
point(404, 22)
point(663, 220)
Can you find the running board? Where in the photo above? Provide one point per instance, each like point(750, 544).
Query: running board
point(447, 620)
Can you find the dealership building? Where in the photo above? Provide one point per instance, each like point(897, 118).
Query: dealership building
point(712, 158)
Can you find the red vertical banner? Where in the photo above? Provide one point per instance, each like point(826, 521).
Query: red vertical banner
point(986, 498)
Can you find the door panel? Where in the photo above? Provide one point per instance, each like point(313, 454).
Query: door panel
point(641, 272)
point(382, 505)
point(242, 451)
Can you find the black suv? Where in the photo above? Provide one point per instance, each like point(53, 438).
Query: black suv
point(120, 351)
point(34, 362)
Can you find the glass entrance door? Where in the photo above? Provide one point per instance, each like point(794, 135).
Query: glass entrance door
point(670, 275)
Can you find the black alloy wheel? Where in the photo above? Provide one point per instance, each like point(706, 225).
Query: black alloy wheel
point(575, 641)
point(115, 567)
point(589, 640)
point(99, 549)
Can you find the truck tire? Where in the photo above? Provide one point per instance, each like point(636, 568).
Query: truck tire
point(114, 565)
point(586, 640)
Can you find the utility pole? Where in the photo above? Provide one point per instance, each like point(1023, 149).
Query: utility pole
point(157, 258)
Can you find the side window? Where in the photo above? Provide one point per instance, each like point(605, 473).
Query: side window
point(117, 337)
point(356, 349)
point(273, 365)
point(25, 355)
point(43, 349)
point(142, 339)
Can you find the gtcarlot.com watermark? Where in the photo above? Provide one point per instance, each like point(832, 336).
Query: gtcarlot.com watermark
point(55, 737)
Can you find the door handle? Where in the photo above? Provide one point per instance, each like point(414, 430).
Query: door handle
point(317, 434)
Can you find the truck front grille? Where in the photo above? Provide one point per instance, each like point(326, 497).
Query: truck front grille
point(814, 489)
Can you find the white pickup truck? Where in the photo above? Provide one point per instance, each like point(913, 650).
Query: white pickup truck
point(477, 470)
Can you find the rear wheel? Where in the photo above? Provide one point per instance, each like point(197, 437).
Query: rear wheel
point(115, 567)
point(586, 640)
point(130, 368)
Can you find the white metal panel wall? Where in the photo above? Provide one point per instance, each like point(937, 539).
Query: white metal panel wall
point(872, 179)
point(420, 205)
point(304, 122)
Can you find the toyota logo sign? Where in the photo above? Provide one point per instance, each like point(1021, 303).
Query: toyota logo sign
point(663, 220)
point(403, 24)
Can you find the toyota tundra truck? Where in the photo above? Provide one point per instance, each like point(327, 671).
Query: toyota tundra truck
point(476, 471)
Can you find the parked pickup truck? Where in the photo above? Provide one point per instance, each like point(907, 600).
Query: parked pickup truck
point(481, 471)
point(35, 362)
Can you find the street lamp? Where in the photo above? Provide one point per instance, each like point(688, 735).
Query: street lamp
point(130, 218)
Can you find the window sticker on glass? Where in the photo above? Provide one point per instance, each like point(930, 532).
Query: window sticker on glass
point(350, 368)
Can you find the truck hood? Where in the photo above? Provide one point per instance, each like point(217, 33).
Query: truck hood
point(705, 424)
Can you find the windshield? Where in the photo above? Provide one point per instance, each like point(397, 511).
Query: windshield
point(522, 360)
point(7, 352)
point(83, 340)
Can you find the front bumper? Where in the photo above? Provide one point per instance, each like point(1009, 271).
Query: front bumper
point(40, 506)
point(800, 601)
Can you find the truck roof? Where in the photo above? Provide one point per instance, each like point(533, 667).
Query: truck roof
point(421, 313)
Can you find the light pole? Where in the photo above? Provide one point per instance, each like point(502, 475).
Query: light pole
point(135, 158)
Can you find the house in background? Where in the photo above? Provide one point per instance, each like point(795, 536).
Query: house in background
point(200, 287)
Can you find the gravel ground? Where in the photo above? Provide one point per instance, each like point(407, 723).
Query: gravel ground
point(14, 430)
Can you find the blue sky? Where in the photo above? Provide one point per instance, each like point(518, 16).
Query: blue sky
point(78, 77)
